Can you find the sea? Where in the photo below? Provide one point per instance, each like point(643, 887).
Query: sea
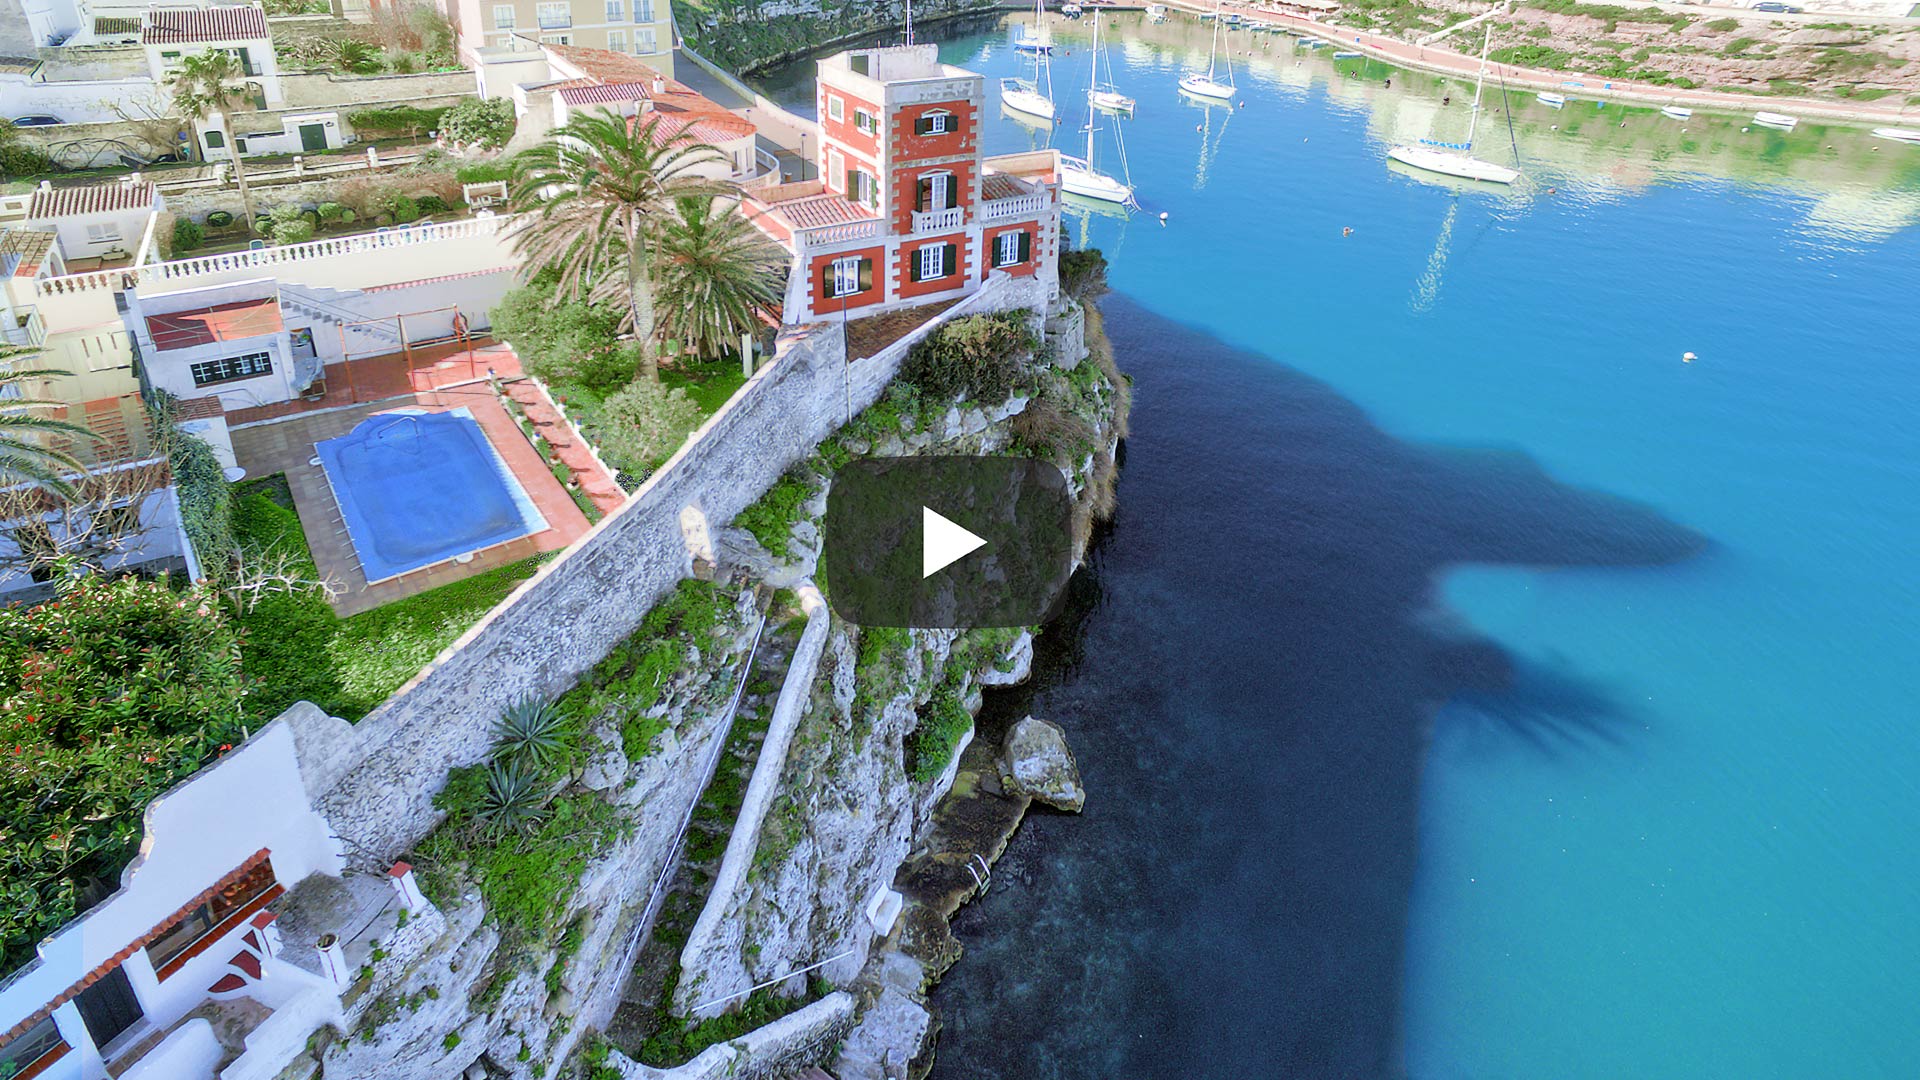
point(1503, 660)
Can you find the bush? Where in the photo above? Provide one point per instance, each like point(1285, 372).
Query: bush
point(977, 357)
point(1723, 26)
point(400, 208)
point(396, 120)
point(772, 517)
point(186, 236)
point(487, 123)
point(565, 341)
point(432, 204)
point(16, 158)
point(333, 211)
point(219, 219)
point(481, 172)
point(206, 499)
point(1083, 273)
point(643, 424)
point(297, 231)
point(109, 696)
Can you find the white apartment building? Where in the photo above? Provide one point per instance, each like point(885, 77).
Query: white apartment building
point(642, 28)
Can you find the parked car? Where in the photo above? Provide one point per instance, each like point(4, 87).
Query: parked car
point(1773, 7)
point(36, 120)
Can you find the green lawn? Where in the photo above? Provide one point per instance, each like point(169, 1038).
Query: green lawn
point(709, 384)
point(299, 650)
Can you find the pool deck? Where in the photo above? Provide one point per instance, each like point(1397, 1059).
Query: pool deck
point(286, 445)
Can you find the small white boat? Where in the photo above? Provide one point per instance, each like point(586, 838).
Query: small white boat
point(1111, 100)
point(1905, 135)
point(1072, 11)
point(1554, 101)
point(1348, 54)
point(1157, 12)
point(1079, 178)
point(1675, 112)
point(1777, 121)
point(1022, 96)
point(1208, 86)
point(1314, 43)
point(1448, 163)
point(1104, 93)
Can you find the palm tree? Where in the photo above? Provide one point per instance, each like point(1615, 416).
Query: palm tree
point(716, 274)
point(591, 198)
point(22, 456)
point(207, 87)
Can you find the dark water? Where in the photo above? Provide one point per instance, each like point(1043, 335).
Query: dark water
point(1247, 678)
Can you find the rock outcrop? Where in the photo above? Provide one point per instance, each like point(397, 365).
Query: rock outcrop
point(1038, 764)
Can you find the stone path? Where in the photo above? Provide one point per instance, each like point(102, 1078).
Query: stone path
point(593, 478)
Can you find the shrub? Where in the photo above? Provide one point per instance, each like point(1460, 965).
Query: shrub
point(219, 219)
point(481, 172)
point(186, 235)
point(565, 341)
point(772, 517)
point(109, 696)
point(16, 158)
point(533, 731)
point(431, 204)
point(977, 357)
point(297, 231)
point(1723, 26)
point(486, 123)
point(514, 800)
point(206, 499)
point(643, 424)
point(395, 120)
point(333, 211)
point(1083, 273)
point(401, 208)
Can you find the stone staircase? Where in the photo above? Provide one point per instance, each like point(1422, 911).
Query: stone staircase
point(592, 477)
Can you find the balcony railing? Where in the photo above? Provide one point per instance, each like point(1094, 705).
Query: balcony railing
point(931, 221)
point(1017, 206)
point(836, 234)
point(556, 22)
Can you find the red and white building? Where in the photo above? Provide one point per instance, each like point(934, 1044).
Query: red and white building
point(907, 210)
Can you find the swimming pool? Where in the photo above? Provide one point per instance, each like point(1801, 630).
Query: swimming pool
point(420, 488)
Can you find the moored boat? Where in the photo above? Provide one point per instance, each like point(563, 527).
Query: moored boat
point(1553, 101)
point(1451, 159)
point(1905, 135)
point(1209, 85)
point(1024, 96)
point(1676, 112)
point(1777, 121)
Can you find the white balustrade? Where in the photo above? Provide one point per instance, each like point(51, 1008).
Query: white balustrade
point(1016, 206)
point(932, 221)
point(836, 234)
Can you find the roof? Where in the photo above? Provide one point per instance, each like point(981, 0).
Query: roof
point(587, 92)
point(199, 408)
point(673, 126)
point(604, 65)
point(211, 24)
point(24, 251)
point(18, 65)
point(221, 322)
point(815, 211)
point(53, 202)
point(1000, 186)
point(107, 25)
point(685, 115)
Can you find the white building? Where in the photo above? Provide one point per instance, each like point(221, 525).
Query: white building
point(103, 221)
point(170, 35)
point(194, 934)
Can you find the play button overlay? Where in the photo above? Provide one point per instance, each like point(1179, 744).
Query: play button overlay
point(947, 542)
point(942, 543)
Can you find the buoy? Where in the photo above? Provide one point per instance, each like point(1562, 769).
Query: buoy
point(1553, 191)
point(1197, 127)
point(1163, 217)
point(1688, 358)
point(1348, 231)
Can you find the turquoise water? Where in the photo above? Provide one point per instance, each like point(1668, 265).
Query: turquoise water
point(1726, 880)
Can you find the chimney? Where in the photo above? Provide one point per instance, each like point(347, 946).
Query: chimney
point(659, 85)
point(46, 185)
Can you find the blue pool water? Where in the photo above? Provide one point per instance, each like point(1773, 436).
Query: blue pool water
point(420, 488)
point(1469, 688)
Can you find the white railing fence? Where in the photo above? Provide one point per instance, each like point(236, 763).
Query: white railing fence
point(927, 221)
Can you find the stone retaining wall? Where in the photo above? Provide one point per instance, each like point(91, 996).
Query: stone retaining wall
point(772, 1052)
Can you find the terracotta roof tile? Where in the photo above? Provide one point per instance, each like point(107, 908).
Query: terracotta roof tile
point(815, 211)
point(211, 24)
point(1000, 186)
point(54, 202)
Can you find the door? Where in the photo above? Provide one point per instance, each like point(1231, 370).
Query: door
point(313, 136)
point(109, 1007)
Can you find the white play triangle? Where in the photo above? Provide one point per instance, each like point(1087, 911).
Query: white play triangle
point(942, 543)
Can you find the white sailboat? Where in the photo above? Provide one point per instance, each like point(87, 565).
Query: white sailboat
point(1034, 96)
point(1105, 95)
point(1459, 160)
point(1207, 85)
point(1079, 176)
point(1042, 39)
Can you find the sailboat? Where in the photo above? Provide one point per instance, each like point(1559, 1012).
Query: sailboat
point(1027, 95)
point(1042, 39)
point(1206, 85)
point(1443, 158)
point(1105, 95)
point(1078, 175)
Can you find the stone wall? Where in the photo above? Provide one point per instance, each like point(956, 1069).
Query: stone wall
point(557, 625)
point(310, 90)
point(773, 1052)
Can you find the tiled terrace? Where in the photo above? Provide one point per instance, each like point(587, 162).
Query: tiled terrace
point(395, 375)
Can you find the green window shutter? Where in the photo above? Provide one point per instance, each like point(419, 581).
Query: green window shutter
point(826, 279)
point(922, 125)
point(913, 265)
point(1026, 245)
point(853, 182)
point(923, 191)
point(949, 259)
point(866, 274)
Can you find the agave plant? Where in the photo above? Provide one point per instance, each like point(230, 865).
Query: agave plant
point(515, 800)
point(531, 732)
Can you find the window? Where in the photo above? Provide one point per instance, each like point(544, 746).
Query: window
point(646, 41)
point(1012, 248)
point(937, 122)
point(617, 40)
point(848, 275)
point(865, 121)
point(170, 59)
point(233, 367)
point(617, 11)
point(643, 11)
point(554, 14)
point(557, 39)
point(100, 234)
point(41, 1042)
point(837, 171)
point(865, 188)
point(934, 261)
point(175, 941)
point(935, 193)
point(503, 16)
point(215, 140)
point(836, 109)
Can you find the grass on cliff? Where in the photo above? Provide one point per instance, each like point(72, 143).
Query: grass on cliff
point(299, 650)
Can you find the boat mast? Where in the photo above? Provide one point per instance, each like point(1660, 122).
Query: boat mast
point(1479, 82)
point(1214, 49)
point(1093, 83)
point(1043, 55)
